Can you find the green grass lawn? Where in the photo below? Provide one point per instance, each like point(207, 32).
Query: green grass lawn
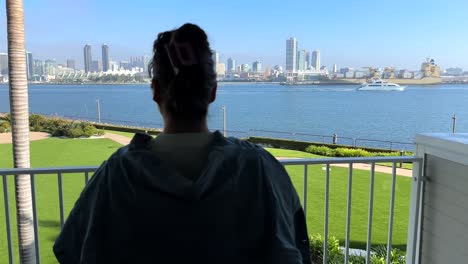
point(360, 201)
point(52, 153)
point(80, 152)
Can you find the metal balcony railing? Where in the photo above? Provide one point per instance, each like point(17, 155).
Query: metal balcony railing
point(86, 172)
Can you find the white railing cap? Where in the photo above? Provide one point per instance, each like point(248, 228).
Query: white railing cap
point(445, 145)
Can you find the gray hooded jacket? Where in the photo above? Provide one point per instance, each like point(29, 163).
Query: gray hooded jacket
point(242, 209)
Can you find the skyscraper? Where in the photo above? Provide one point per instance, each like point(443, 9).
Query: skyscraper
point(39, 68)
point(105, 57)
point(49, 67)
point(3, 63)
point(29, 65)
point(96, 66)
point(231, 65)
point(87, 58)
point(125, 65)
point(137, 61)
point(215, 59)
point(256, 66)
point(316, 59)
point(335, 68)
point(291, 54)
point(71, 64)
point(221, 69)
point(301, 60)
point(307, 59)
point(146, 60)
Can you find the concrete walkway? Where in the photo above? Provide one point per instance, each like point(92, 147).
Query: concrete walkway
point(123, 140)
point(5, 138)
point(365, 166)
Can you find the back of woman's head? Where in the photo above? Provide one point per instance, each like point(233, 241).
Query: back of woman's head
point(182, 68)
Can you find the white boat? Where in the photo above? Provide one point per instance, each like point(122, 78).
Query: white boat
point(380, 85)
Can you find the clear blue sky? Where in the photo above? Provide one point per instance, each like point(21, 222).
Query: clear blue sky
point(356, 33)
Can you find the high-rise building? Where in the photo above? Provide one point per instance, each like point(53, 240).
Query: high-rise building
point(3, 63)
point(301, 61)
point(231, 65)
point(245, 67)
point(125, 65)
point(29, 65)
point(215, 59)
point(39, 68)
point(87, 58)
point(71, 64)
point(105, 57)
point(49, 67)
point(113, 66)
point(221, 69)
point(335, 68)
point(256, 66)
point(291, 54)
point(146, 60)
point(96, 66)
point(316, 59)
point(137, 61)
point(307, 59)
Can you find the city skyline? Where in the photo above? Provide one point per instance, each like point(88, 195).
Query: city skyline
point(344, 33)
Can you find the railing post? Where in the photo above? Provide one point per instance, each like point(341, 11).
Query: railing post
point(348, 211)
point(60, 189)
point(370, 214)
point(35, 219)
point(7, 218)
point(325, 225)
point(86, 178)
point(390, 221)
point(401, 163)
point(304, 195)
point(414, 220)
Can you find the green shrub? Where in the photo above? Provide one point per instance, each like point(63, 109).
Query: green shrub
point(88, 129)
point(380, 255)
point(36, 122)
point(316, 249)
point(320, 150)
point(74, 132)
point(57, 127)
point(349, 152)
point(5, 123)
point(100, 132)
point(5, 126)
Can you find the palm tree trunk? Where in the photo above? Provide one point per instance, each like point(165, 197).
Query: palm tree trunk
point(20, 127)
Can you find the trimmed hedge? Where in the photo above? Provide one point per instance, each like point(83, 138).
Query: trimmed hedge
point(303, 145)
point(350, 152)
point(151, 131)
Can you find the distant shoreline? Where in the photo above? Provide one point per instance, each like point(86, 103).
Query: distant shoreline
point(328, 83)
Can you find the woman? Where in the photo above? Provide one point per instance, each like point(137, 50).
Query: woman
point(187, 196)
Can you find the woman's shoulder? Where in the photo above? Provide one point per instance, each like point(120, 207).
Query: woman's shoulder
point(251, 151)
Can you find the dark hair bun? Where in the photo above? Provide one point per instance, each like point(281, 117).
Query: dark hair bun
point(183, 67)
